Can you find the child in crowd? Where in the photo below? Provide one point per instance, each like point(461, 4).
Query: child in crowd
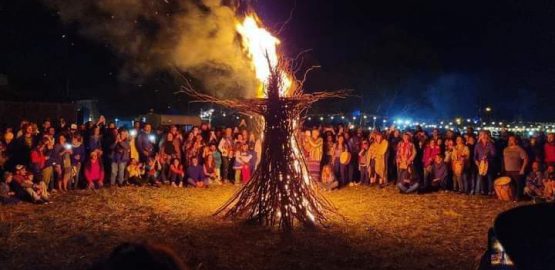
point(7, 196)
point(135, 170)
point(153, 169)
point(328, 181)
point(94, 171)
point(176, 173)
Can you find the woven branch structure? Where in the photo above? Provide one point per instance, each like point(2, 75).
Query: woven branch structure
point(280, 193)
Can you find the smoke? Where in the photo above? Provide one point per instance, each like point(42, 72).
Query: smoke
point(196, 36)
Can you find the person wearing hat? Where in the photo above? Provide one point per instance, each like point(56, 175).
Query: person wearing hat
point(26, 189)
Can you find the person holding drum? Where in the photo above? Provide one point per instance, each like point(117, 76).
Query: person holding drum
point(515, 160)
point(484, 154)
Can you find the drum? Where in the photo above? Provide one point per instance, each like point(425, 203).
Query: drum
point(345, 158)
point(503, 188)
point(483, 167)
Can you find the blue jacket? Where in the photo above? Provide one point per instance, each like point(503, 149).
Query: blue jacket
point(120, 151)
point(144, 144)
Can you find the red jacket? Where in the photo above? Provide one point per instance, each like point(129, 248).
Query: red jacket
point(38, 159)
point(549, 149)
point(94, 173)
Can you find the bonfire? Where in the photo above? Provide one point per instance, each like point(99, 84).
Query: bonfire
point(281, 192)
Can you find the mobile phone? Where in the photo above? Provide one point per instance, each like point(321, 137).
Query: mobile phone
point(68, 146)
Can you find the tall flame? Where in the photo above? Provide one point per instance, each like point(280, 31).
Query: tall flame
point(261, 47)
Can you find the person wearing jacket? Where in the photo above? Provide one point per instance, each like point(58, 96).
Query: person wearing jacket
point(77, 158)
point(549, 149)
point(94, 171)
point(484, 155)
point(430, 153)
point(145, 146)
point(120, 156)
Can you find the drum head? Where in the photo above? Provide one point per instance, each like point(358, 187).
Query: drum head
point(501, 181)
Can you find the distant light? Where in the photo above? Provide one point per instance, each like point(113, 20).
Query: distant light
point(309, 118)
point(407, 122)
point(331, 118)
point(237, 117)
point(342, 117)
point(365, 117)
point(500, 123)
point(488, 109)
point(116, 120)
point(493, 123)
point(384, 121)
point(377, 118)
point(223, 114)
point(468, 120)
point(441, 123)
point(354, 118)
point(321, 118)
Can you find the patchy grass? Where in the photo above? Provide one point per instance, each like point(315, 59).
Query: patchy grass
point(380, 229)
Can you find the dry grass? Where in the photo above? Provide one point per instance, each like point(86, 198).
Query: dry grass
point(381, 229)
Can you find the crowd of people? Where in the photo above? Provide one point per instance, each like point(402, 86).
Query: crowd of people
point(420, 161)
point(36, 161)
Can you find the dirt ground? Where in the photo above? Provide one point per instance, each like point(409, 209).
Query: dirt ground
point(380, 229)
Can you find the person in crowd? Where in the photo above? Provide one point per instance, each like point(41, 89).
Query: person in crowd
point(38, 159)
point(226, 149)
point(472, 170)
point(549, 149)
point(195, 174)
point(431, 151)
point(439, 173)
point(47, 173)
point(77, 157)
point(177, 141)
point(353, 144)
point(36, 192)
point(177, 174)
point(153, 170)
point(328, 181)
point(7, 196)
point(341, 165)
point(217, 157)
point(515, 161)
point(120, 150)
point(94, 171)
point(209, 167)
point(315, 148)
point(64, 169)
point(407, 184)
point(145, 143)
point(534, 150)
point(377, 152)
point(534, 182)
point(459, 162)
point(241, 165)
point(135, 170)
point(363, 163)
point(328, 148)
point(95, 141)
point(549, 183)
point(406, 152)
point(484, 155)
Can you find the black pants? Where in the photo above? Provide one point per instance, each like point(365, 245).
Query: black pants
point(225, 168)
point(517, 181)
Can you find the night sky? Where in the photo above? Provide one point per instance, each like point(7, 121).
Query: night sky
point(424, 59)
